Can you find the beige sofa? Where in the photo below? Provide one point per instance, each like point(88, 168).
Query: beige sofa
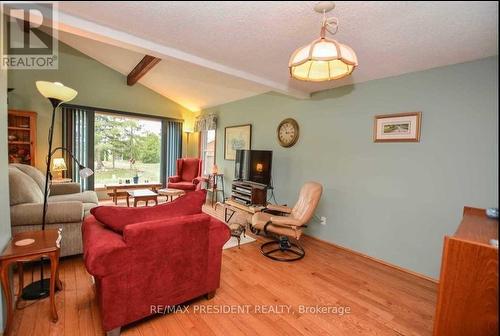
point(66, 208)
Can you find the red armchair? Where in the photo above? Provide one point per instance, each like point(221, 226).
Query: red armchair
point(188, 176)
point(166, 261)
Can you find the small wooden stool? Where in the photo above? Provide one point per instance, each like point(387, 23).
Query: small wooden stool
point(237, 230)
point(171, 192)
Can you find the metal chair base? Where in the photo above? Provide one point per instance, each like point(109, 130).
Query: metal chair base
point(292, 251)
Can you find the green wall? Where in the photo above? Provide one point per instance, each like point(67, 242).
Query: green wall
point(97, 86)
point(393, 201)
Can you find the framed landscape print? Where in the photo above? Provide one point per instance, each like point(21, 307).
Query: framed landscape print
point(236, 137)
point(401, 127)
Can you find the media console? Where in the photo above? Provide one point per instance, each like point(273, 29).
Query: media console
point(249, 193)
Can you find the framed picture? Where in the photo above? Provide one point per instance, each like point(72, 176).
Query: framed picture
point(236, 137)
point(400, 127)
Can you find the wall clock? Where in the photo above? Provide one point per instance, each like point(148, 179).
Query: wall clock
point(288, 132)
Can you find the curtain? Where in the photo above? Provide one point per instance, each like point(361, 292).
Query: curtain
point(173, 132)
point(205, 122)
point(78, 139)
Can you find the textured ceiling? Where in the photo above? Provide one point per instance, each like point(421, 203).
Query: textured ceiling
point(189, 85)
point(255, 39)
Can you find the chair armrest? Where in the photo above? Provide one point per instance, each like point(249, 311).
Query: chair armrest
point(284, 221)
point(57, 212)
point(174, 179)
point(219, 232)
point(279, 208)
point(64, 188)
point(104, 250)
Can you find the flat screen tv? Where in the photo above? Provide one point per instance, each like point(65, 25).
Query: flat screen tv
point(253, 166)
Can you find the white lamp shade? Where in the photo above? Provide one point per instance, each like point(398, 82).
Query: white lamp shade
point(58, 164)
point(56, 90)
point(86, 173)
point(322, 60)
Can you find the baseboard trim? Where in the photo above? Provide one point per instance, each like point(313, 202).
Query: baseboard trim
point(380, 261)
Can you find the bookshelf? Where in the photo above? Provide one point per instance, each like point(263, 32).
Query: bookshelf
point(21, 138)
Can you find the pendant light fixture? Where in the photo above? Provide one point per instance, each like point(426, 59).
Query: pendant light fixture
point(323, 59)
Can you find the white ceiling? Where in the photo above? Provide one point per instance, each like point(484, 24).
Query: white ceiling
point(190, 85)
point(216, 52)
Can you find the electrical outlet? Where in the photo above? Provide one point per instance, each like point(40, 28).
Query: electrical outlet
point(322, 220)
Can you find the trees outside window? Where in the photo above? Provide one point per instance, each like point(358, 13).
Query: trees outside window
point(120, 140)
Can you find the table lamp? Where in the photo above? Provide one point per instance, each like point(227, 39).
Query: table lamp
point(58, 166)
point(215, 169)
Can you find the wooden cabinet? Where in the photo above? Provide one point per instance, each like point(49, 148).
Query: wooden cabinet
point(22, 137)
point(468, 288)
point(248, 193)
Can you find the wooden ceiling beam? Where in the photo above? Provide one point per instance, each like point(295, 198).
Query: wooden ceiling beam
point(142, 68)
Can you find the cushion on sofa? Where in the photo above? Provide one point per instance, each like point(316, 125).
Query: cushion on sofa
point(84, 197)
point(182, 185)
point(22, 188)
point(32, 172)
point(117, 218)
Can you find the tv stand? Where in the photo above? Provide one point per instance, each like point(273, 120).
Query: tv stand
point(249, 193)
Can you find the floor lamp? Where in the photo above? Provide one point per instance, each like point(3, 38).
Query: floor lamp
point(57, 94)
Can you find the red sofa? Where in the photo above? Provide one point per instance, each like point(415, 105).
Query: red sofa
point(188, 176)
point(165, 261)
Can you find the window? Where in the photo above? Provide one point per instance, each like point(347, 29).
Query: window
point(125, 147)
point(207, 150)
point(119, 146)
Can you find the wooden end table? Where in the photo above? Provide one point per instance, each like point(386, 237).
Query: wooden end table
point(145, 195)
point(46, 244)
point(213, 182)
point(171, 192)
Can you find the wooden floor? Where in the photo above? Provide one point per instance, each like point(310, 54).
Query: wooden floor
point(382, 301)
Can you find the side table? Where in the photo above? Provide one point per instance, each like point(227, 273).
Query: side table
point(213, 186)
point(43, 244)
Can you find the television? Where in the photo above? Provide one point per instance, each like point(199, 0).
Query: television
point(253, 166)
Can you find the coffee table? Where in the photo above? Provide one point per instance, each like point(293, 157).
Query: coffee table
point(116, 188)
point(171, 192)
point(145, 195)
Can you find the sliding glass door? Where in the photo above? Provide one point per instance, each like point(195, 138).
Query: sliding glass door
point(121, 147)
point(77, 139)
